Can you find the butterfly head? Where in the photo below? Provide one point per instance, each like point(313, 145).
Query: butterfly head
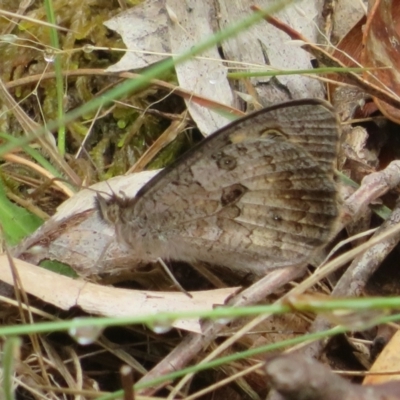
point(111, 209)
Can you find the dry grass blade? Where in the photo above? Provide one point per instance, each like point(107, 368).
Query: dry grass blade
point(19, 15)
point(19, 160)
point(31, 128)
point(185, 94)
point(193, 344)
point(124, 136)
point(167, 137)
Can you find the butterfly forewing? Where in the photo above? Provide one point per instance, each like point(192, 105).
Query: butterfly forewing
point(255, 195)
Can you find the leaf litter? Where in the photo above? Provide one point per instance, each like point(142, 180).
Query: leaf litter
point(114, 144)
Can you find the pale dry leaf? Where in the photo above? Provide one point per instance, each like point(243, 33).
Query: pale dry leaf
point(180, 25)
point(155, 29)
point(206, 76)
point(346, 14)
point(77, 237)
point(65, 293)
point(264, 44)
point(144, 29)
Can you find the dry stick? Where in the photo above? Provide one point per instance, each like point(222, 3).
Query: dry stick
point(355, 278)
point(194, 344)
point(296, 377)
point(127, 382)
point(372, 186)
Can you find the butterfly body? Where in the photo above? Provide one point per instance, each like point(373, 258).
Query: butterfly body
point(256, 195)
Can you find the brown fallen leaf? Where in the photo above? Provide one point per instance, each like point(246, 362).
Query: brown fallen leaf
point(374, 43)
point(388, 360)
point(381, 40)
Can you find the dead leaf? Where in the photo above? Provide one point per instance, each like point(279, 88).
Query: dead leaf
point(388, 360)
point(346, 14)
point(156, 36)
point(171, 26)
point(382, 50)
point(265, 46)
point(77, 237)
point(144, 29)
point(65, 292)
point(205, 75)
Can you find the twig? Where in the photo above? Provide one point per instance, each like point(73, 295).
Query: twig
point(193, 344)
point(127, 382)
point(295, 377)
point(353, 281)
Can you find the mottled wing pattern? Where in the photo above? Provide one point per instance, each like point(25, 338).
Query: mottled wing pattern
point(256, 195)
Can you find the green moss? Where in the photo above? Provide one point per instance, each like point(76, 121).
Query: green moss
point(121, 133)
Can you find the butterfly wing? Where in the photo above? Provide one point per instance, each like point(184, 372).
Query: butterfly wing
point(256, 195)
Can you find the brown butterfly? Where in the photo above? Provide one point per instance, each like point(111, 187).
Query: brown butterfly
point(257, 194)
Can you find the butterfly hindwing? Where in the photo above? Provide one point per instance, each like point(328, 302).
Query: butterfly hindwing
point(256, 195)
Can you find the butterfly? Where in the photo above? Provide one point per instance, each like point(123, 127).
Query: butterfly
point(257, 194)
